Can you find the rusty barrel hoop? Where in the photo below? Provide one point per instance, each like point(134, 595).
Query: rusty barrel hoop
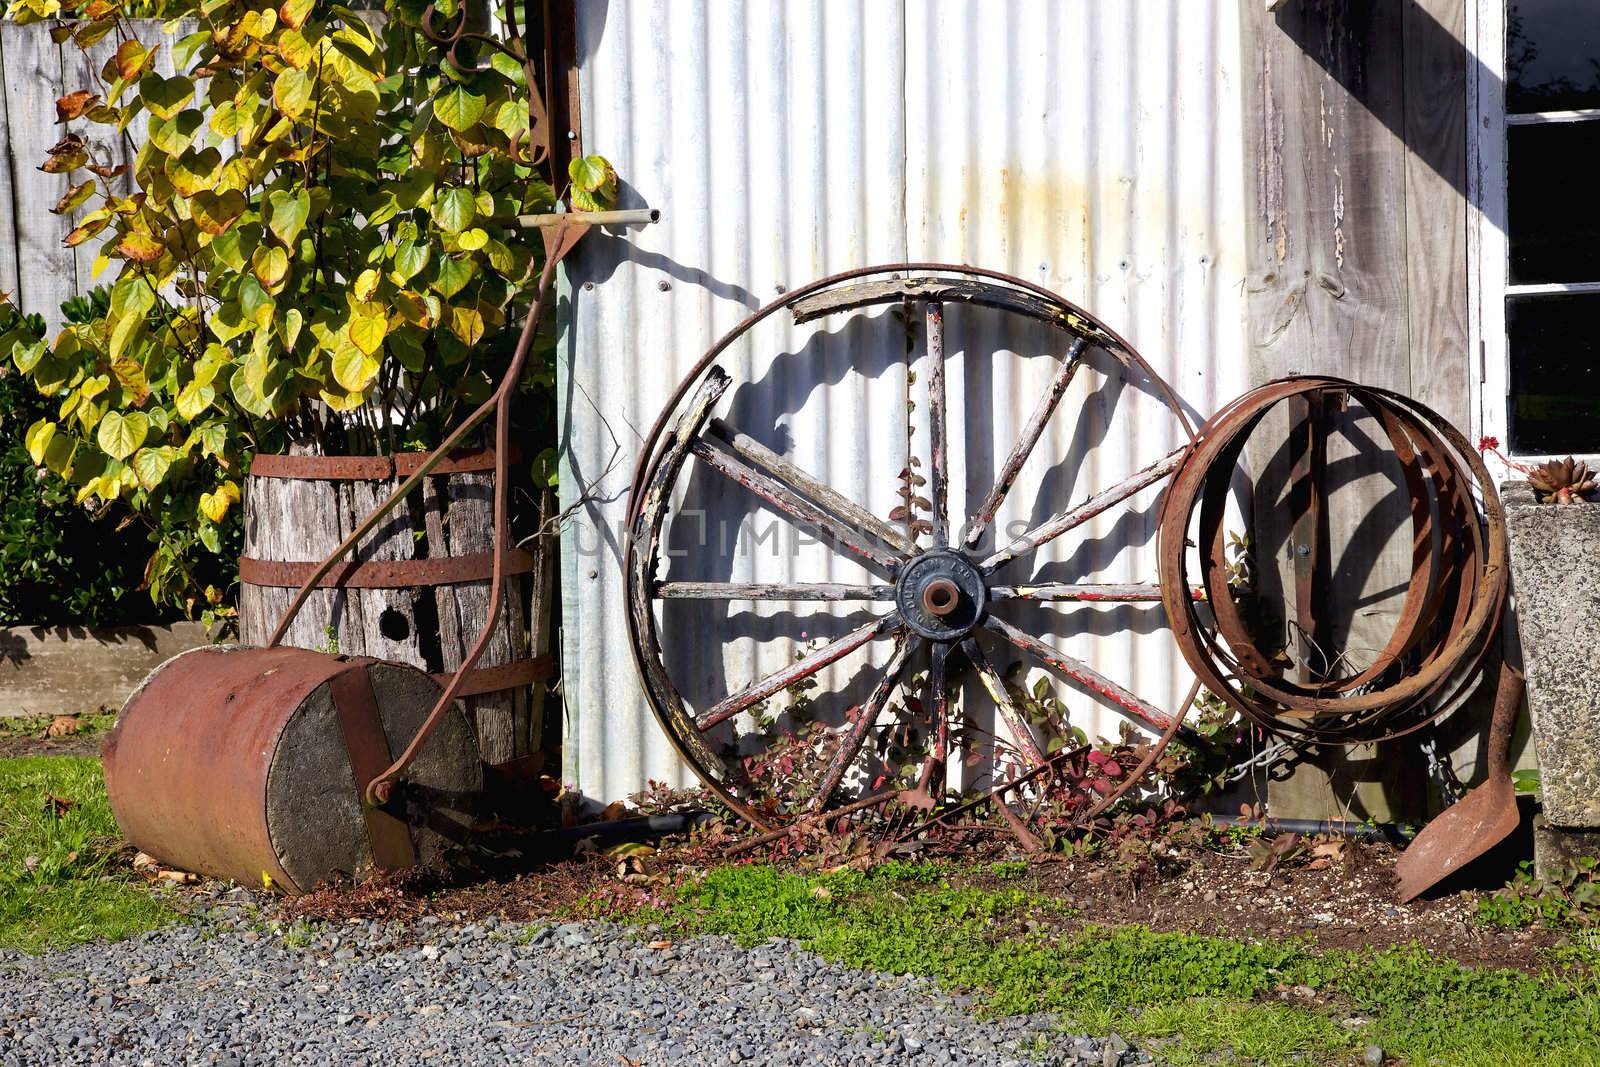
point(1452, 605)
point(515, 674)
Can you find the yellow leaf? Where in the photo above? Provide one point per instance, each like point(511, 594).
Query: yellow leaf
point(38, 439)
point(367, 331)
point(467, 324)
point(140, 246)
point(353, 368)
point(270, 264)
point(214, 506)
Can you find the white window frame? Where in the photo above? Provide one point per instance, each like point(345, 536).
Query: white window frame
point(1488, 258)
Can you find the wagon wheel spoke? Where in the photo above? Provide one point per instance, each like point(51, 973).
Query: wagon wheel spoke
point(802, 668)
point(938, 420)
point(827, 591)
point(1007, 707)
point(939, 711)
point(758, 455)
point(1062, 521)
point(1082, 675)
point(871, 711)
point(1086, 592)
point(1031, 431)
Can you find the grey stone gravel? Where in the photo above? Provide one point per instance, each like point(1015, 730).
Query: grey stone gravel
point(576, 993)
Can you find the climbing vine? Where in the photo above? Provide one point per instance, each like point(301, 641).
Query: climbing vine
point(308, 235)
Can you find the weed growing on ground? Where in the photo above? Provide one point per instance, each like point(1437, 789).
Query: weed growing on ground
point(1569, 899)
point(1275, 1002)
point(59, 884)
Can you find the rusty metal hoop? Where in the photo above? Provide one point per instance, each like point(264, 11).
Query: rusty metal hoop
point(1452, 605)
point(927, 584)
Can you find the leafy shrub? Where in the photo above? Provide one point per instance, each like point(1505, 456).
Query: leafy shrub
point(322, 250)
point(60, 561)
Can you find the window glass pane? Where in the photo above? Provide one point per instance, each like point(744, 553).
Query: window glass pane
point(1555, 373)
point(1554, 229)
point(1552, 55)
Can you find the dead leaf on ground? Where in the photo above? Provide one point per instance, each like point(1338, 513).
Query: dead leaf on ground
point(63, 725)
point(58, 806)
point(143, 860)
point(661, 944)
point(180, 877)
point(142, 979)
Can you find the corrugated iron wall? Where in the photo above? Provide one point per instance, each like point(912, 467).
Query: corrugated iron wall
point(1093, 147)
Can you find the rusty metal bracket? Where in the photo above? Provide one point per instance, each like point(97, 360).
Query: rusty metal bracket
point(384, 573)
point(368, 747)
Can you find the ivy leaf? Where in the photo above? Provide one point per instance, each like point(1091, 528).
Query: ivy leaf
point(26, 357)
point(121, 435)
point(141, 247)
point(294, 13)
point(270, 264)
point(130, 373)
point(131, 296)
point(194, 172)
point(287, 214)
point(292, 91)
point(342, 401)
point(453, 275)
point(193, 399)
point(458, 108)
point(214, 506)
point(292, 321)
point(410, 258)
point(473, 239)
point(256, 303)
point(353, 368)
point(467, 324)
point(165, 97)
point(74, 198)
point(38, 440)
point(215, 212)
point(594, 175)
point(88, 229)
point(454, 209)
point(295, 49)
point(128, 60)
point(213, 438)
point(366, 333)
point(150, 465)
point(174, 136)
point(75, 104)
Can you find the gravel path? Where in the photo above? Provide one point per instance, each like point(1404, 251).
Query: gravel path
point(580, 993)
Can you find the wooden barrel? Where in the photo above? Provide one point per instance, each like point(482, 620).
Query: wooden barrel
point(251, 764)
point(416, 590)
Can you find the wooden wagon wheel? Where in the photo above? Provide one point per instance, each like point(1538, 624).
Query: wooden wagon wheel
point(939, 591)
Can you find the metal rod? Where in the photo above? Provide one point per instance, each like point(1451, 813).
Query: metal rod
point(1082, 674)
point(1031, 431)
point(831, 591)
point(835, 650)
point(639, 216)
point(752, 451)
point(784, 498)
point(850, 744)
point(937, 424)
point(996, 686)
point(1088, 592)
point(1062, 521)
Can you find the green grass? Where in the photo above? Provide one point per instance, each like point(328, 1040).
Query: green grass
point(92, 722)
point(58, 884)
point(1199, 999)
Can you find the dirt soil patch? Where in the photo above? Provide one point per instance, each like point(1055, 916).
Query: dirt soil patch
point(1338, 897)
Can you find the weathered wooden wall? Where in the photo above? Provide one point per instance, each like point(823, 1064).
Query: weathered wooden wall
point(36, 268)
point(1356, 127)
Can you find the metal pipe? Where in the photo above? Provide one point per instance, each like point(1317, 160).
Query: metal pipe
point(1390, 832)
point(637, 216)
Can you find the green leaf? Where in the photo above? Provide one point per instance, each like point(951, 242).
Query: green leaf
point(454, 209)
point(594, 175)
point(458, 108)
point(193, 399)
point(131, 295)
point(292, 91)
point(453, 275)
point(165, 97)
point(75, 198)
point(287, 214)
point(257, 305)
point(175, 135)
point(409, 259)
point(38, 439)
point(127, 331)
point(366, 333)
point(292, 321)
point(26, 357)
point(150, 465)
point(141, 247)
point(270, 264)
point(121, 435)
point(194, 172)
point(213, 438)
point(215, 212)
point(353, 368)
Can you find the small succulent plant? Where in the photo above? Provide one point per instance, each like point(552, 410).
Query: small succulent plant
point(1561, 481)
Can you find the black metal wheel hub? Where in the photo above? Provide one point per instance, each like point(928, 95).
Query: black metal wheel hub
point(941, 595)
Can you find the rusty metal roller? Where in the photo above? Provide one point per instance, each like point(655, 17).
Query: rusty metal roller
point(250, 764)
